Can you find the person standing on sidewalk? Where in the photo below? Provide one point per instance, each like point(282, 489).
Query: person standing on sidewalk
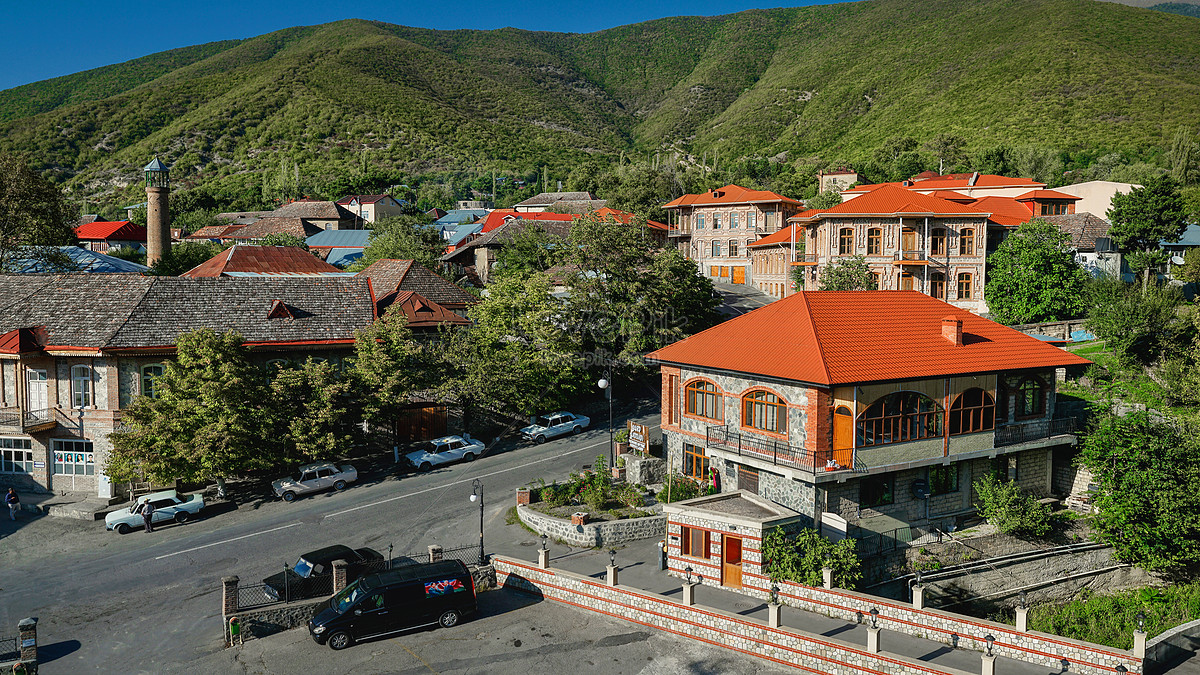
point(148, 516)
point(14, 503)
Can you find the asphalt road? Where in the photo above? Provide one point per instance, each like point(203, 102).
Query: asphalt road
point(741, 298)
point(144, 603)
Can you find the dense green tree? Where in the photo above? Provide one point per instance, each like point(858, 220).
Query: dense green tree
point(390, 365)
point(283, 239)
point(801, 557)
point(997, 160)
point(527, 250)
point(1147, 476)
point(1011, 509)
point(1033, 276)
point(403, 238)
point(206, 420)
point(824, 200)
point(1136, 326)
point(848, 274)
point(1189, 271)
point(311, 412)
point(1146, 216)
point(34, 216)
point(948, 149)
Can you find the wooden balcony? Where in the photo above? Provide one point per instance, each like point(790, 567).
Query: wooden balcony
point(26, 421)
point(806, 260)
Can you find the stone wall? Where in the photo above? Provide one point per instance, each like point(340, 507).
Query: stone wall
point(1168, 648)
point(644, 470)
point(605, 533)
point(785, 646)
point(273, 619)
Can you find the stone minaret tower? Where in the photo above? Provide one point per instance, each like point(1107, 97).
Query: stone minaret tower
point(158, 214)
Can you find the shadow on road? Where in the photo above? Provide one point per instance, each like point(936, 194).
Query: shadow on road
point(57, 650)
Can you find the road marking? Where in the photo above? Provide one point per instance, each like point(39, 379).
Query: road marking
point(468, 480)
point(226, 541)
point(419, 659)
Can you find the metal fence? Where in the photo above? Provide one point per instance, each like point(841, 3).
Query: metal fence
point(1033, 431)
point(770, 450)
point(10, 649)
point(899, 538)
point(256, 595)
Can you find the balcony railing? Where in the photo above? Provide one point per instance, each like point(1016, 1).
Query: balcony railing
point(682, 232)
point(805, 259)
point(24, 419)
point(769, 450)
point(1034, 431)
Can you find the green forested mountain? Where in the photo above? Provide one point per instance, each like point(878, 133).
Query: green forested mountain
point(830, 82)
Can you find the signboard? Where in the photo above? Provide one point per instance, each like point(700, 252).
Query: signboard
point(39, 465)
point(639, 438)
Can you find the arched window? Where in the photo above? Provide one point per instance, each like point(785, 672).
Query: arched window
point(846, 241)
point(874, 241)
point(1031, 397)
point(937, 285)
point(898, 417)
point(937, 241)
point(764, 410)
point(150, 373)
point(966, 242)
point(705, 400)
point(973, 410)
point(81, 386)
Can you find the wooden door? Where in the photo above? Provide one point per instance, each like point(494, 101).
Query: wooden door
point(843, 436)
point(739, 275)
point(731, 562)
point(908, 239)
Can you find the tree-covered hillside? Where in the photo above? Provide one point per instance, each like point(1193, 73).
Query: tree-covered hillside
point(825, 84)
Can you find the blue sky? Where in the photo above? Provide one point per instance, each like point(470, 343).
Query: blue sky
point(49, 38)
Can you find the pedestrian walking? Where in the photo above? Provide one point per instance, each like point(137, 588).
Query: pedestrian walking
point(148, 516)
point(14, 503)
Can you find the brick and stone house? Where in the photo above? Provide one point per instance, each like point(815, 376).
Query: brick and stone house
point(75, 350)
point(868, 412)
point(716, 228)
point(370, 208)
point(390, 278)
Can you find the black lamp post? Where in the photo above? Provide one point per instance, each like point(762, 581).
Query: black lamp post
point(605, 383)
point(874, 617)
point(991, 642)
point(477, 495)
point(544, 547)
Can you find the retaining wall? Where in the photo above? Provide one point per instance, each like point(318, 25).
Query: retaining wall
point(786, 646)
point(600, 533)
point(1169, 648)
point(273, 619)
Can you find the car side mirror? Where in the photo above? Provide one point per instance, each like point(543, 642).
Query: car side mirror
point(358, 612)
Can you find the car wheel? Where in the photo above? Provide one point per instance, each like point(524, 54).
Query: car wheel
point(540, 439)
point(448, 619)
point(289, 496)
point(575, 431)
point(469, 457)
point(425, 466)
point(122, 528)
point(182, 517)
point(340, 485)
point(340, 640)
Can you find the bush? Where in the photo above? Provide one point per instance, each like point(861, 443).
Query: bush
point(1110, 619)
point(800, 558)
point(1012, 510)
point(677, 488)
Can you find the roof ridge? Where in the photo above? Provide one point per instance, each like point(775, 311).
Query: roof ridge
point(816, 339)
point(132, 310)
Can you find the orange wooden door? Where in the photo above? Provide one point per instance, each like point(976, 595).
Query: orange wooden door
point(739, 275)
point(843, 436)
point(724, 271)
point(731, 562)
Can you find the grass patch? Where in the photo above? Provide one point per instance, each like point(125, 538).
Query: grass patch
point(511, 518)
point(1111, 619)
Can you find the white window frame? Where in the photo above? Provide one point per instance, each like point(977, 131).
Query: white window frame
point(147, 387)
point(11, 456)
point(58, 448)
point(81, 386)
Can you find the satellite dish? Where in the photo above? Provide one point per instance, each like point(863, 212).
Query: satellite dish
point(920, 489)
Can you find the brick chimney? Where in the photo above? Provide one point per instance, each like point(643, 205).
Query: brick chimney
point(952, 330)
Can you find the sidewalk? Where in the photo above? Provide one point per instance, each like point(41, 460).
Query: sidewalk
point(638, 565)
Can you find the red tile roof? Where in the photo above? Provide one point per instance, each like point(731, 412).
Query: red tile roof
point(500, 216)
point(1047, 194)
point(421, 311)
point(850, 337)
point(1005, 211)
point(957, 181)
point(122, 230)
point(789, 234)
point(887, 200)
point(261, 260)
point(730, 194)
point(625, 217)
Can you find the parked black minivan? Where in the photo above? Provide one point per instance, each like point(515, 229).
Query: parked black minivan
point(422, 594)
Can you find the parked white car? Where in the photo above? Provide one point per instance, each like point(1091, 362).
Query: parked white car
point(313, 478)
point(445, 450)
point(554, 425)
point(168, 505)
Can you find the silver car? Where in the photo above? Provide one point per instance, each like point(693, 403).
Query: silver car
point(554, 425)
point(314, 478)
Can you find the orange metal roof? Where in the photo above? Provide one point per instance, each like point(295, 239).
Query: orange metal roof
point(958, 181)
point(263, 260)
point(854, 337)
point(119, 229)
point(1005, 211)
point(730, 194)
point(1047, 194)
point(789, 234)
point(887, 200)
point(499, 216)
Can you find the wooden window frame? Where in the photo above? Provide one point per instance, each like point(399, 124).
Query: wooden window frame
point(695, 462)
point(945, 484)
point(846, 241)
point(937, 242)
point(733, 248)
point(966, 241)
point(147, 383)
point(968, 279)
point(700, 388)
point(968, 417)
point(1022, 390)
point(754, 408)
point(688, 537)
point(937, 287)
point(81, 386)
point(875, 241)
point(889, 427)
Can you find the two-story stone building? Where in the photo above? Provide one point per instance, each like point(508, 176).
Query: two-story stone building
point(863, 410)
point(716, 228)
point(76, 349)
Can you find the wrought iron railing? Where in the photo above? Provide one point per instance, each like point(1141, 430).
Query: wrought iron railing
point(679, 232)
point(1034, 431)
point(10, 649)
point(15, 417)
point(811, 258)
point(900, 538)
point(770, 450)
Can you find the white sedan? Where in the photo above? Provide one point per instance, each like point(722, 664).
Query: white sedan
point(445, 450)
point(168, 505)
point(314, 478)
point(555, 425)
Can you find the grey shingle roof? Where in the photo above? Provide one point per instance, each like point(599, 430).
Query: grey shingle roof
point(388, 276)
point(1084, 228)
point(101, 311)
point(547, 198)
point(315, 210)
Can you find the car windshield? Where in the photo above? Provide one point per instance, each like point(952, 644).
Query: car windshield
point(542, 421)
point(344, 600)
point(303, 568)
point(298, 476)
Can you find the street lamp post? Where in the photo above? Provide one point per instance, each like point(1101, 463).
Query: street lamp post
point(477, 496)
point(605, 383)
